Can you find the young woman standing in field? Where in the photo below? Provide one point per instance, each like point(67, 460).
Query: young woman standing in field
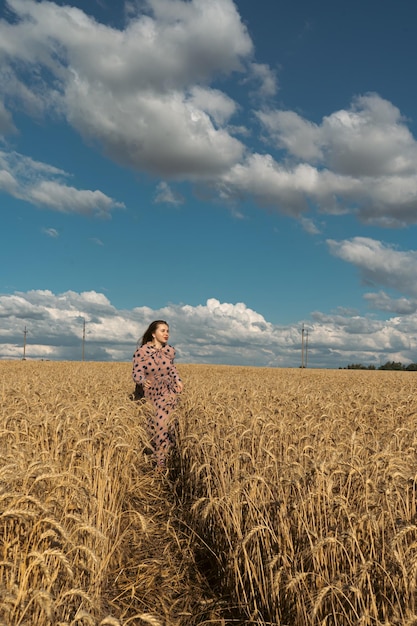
point(153, 367)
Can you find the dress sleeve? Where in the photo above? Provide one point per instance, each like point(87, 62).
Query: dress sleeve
point(175, 374)
point(139, 365)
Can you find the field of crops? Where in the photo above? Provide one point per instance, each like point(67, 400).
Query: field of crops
point(291, 500)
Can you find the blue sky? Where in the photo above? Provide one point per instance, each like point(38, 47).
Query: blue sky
point(239, 169)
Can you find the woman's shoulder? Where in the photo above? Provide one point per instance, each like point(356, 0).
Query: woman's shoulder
point(143, 350)
point(169, 351)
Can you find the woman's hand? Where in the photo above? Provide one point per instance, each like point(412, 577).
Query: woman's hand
point(180, 386)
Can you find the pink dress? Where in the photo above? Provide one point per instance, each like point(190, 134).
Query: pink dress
point(157, 367)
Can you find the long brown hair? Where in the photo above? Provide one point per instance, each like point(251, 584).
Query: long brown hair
point(148, 334)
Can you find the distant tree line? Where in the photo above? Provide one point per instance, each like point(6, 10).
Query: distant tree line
point(389, 365)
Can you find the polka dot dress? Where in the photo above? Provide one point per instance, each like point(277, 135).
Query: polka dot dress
point(157, 367)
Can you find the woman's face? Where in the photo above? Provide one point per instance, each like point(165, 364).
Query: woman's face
point(161, 333)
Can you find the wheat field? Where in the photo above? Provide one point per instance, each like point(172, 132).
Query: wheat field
point(291, 499)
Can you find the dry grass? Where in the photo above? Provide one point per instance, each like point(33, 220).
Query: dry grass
point(292, 501)
point(303, 483)
point(88, 533)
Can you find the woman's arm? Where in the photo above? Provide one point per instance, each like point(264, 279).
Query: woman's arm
point(176, 375)
point(139, 367)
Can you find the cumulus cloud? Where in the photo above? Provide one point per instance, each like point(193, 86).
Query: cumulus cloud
point(142, 93)
point(266, 79)
point(148, 96)
point(272, 184)
point(361, 159)
point(288, 130)
point(212, 101)
point(353, 339)
point(379, 263)
point(215, 332)
point(383, 302)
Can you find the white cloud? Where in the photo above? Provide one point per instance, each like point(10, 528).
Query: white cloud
point(266, 77)
point(214, 332)
point(66, 199)
point(271, 184)
point(145, 95)
point(97, 241)
point(164, 134)
point(369, 139)
point(138, 92)
point(379, 263)
point(26, 169)
point(309, 226)
point(364, 160)
point(164, 193)
point(214, 102)
point(8, 183)
point(6, 123)
point(383, 302)
point(290, 131)
point(51, 232)
point(40, 184)
point(354, 339)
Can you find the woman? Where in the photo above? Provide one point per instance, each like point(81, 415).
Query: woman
point(153, 367)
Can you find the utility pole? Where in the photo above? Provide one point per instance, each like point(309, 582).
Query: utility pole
point(25, 332)
point(302, 346)
point(83, 349)
point(306, 346)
